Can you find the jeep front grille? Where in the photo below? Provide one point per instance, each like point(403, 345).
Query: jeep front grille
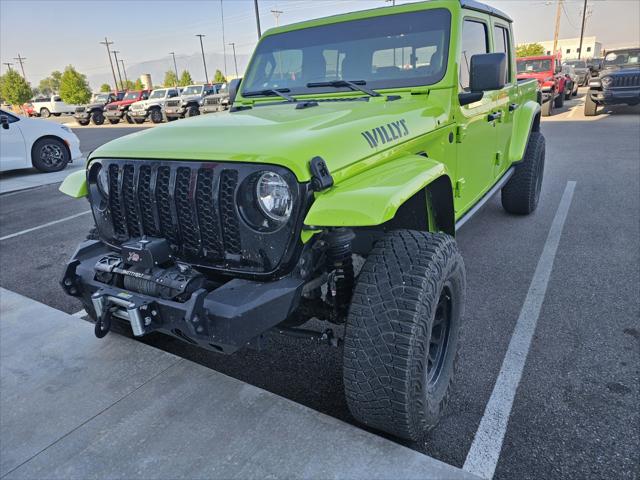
point(111, 107)
point(193, 206)
point(173, 103)
point(625, 81)
point(212, 101)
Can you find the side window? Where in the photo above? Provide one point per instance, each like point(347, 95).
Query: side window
point(474, 41)
point(501, 41)
point(57, 99)
point(145, 95)
point(11, 118)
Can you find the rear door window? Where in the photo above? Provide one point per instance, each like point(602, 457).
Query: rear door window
point(502, 44)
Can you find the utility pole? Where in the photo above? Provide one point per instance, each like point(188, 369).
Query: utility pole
point(106, 43)
point(255, 4)
point(557, 32)
point(277, 13)
point(8, 65)
point(235, 61)
point(124, 72)
point(115, 54)
point(392, 1)
point(206, 75)
point(175, 67)
point(224, 47)
point(584, 19)
point(21, 59)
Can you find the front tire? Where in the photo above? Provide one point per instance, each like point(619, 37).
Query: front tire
point(559, 100)
point(590, 107)
point(547, 108)
point(129, 119)
point(97, 118)
point(155, 115)
point(521, 194)
point(114, 121)
point(50, 155)
point(192, 112)
point(138, 121)
point(403, 333)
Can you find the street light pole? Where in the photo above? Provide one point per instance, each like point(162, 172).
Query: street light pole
point(255, 4)
point(206, 75)
point(175, 67)
point(124, 72)
point(21, 59)
point(235, 61)
point(106, 43)
point(224, 48)
point(115, 54)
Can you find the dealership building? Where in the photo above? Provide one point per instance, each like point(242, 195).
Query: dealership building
point(570, 47)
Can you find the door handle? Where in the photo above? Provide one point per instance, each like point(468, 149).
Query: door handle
point(495, 116)
point(513, 106)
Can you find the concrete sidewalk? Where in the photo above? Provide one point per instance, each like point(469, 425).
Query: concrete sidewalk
point(29, 178)
point(73, 406)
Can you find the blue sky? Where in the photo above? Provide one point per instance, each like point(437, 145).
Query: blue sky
point(54, 33)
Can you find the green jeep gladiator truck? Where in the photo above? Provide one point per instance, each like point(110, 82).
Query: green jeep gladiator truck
point(356, 146)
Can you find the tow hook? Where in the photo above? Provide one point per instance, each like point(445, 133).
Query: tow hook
point(103, 324)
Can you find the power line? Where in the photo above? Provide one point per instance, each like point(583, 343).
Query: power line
point(106, 43)
point(21, 59)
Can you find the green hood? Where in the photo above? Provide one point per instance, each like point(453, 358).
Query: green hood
point(341, 132)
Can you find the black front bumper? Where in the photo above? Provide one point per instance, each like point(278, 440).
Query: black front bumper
point(82, 115)
point(225, 319)
point(616, 96)
point(113, 114)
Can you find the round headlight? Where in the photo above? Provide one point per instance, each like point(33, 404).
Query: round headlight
point(103, 181)
point(606, 81)
point(274, 197)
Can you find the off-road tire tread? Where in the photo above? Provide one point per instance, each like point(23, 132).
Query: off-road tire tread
point(386, 333)
point(590, 107)
point(519, 193)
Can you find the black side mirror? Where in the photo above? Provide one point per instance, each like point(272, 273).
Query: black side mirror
point(233, 87)
point(4, 120)
point(488, 72)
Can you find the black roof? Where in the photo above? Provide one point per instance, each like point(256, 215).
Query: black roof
point(481, 7)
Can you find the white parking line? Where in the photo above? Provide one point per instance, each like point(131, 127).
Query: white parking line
point(44, 225)
point(484, 453)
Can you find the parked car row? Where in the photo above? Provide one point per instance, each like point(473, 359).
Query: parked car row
point(156, 106)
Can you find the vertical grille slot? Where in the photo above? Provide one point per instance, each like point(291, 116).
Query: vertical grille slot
point(164, 205)
point(115, 204)
point(231, 229)
point(129, 200)
point(207, 214)
point(145, 197)
point(185, 210)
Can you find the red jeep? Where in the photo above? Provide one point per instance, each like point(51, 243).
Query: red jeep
point(547, 69)
point(115, 111)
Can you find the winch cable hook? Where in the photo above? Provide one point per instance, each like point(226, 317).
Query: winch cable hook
point(103, 324)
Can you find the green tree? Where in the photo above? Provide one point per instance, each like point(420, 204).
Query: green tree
point(529, 50)
point(170, 79)
point(138, 85)
point(14, 89)
point(74, 87)
point(51, 84)
point(219, 77)
point(105, 87)
point(185, 79)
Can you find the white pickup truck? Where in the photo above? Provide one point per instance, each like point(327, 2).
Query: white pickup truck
point(53, 105)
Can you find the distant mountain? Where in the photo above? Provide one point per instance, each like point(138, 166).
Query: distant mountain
point(158, 67)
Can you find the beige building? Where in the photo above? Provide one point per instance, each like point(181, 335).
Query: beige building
point(570, 46)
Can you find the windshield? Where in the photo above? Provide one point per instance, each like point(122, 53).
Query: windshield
point(534, 66)
point(102, 97)
point(621, 58)
point(401, 50)
point(131, 96)
point(578, 64)
point(157, 94)
point(193, 90)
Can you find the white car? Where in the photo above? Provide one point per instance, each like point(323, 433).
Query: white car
point(27, 142)
point(53, 105)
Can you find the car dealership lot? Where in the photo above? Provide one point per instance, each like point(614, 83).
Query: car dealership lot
point(575, 411)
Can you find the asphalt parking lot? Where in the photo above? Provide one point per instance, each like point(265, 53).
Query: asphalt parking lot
point(575, 414)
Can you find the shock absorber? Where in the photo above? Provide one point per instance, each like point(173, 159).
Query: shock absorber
point(339, 260)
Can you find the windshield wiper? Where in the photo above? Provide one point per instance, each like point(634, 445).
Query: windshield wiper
point(353, 85)
point(280, 92)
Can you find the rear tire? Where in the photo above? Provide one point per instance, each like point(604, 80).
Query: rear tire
point(590, 107)
point(521, 194)
point(45, 113)
point(57, 114)
point(403, 333)
point(559, 100)
point(50, 155)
